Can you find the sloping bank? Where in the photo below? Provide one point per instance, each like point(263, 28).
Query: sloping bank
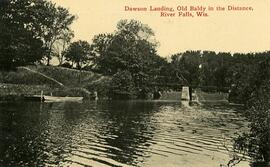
point(58, 81)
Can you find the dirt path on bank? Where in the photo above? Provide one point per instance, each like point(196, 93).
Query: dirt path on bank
point(49, 78)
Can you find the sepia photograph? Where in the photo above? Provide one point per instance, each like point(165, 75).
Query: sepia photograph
point(124, 83)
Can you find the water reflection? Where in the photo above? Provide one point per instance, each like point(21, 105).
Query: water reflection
point(118, 133)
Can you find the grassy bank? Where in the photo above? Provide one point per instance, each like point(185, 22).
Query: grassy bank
point(57, 80)
point(211, 97)
point(24, 77)
point(68, 77)
point(18, 91)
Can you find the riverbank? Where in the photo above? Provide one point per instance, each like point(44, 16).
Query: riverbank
point(18, 91)
point(59, 81)
point(211, 97)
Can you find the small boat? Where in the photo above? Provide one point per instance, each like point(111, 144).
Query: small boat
point(53, 98)
point(44, 98)
point(60, 99)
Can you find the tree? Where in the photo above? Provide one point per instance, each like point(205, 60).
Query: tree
point(257, 141)
point(206, 68)
point(79, 52)
point(61, 45)
point(130, 48)
point(214, 69)
point(243, 76)
point(29, 29)
point(99, 49)
point(221, 73)
point(126, 49)
point(122, 86)
point(19, 41)
point(56, 23)
point(186, 67)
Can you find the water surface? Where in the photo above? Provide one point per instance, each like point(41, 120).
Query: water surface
point(118, 133)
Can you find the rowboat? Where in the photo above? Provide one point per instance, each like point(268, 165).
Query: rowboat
point(61, 99)
point(54, 98)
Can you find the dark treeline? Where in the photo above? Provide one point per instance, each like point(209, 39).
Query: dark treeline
point(221, 71)
point(33, 32)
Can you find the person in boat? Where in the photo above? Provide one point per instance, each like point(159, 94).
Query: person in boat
point(42, 98)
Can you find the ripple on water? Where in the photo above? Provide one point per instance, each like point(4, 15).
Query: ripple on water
point(122, 134)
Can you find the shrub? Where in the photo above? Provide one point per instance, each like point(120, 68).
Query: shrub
point(122, 86)
point(256, 141)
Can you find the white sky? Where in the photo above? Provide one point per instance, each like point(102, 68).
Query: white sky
point(221, 31)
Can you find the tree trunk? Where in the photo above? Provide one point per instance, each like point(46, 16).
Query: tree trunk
point(61, 59)
point(61, 55)
point(48, 61)
point(50, 52)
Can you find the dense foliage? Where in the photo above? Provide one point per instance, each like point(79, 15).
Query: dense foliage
point(28, 30)
point(78, 53)
point(256, 142)
point(122, 86)
point(219, 71)
point(19, 42)
point(130, 48)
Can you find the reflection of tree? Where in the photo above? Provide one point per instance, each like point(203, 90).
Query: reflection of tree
point(59, 130)
point(20, 130)
point(128, 123)
point(49, 135)
point(34, 133)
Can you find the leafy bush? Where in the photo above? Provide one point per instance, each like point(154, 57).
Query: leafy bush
point(122, 86)
point(101, 86)
point(256, 142)
point(73, 92)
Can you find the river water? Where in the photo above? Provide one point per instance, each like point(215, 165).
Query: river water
point(118, 133)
